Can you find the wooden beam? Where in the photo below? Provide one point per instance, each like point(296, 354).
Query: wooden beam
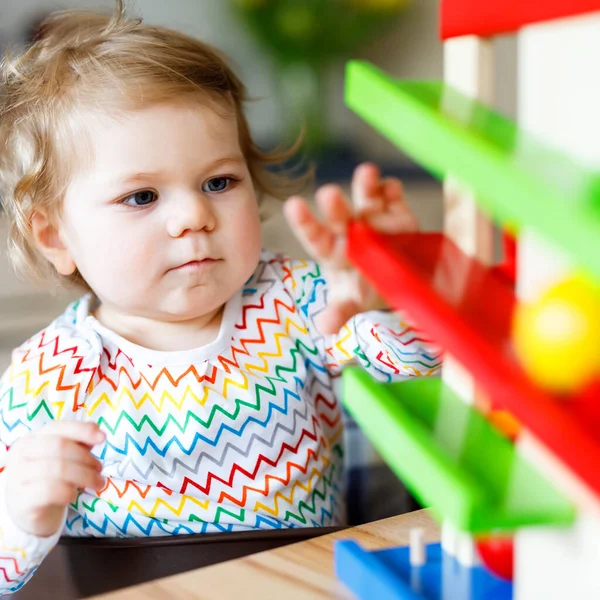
point(493, 17)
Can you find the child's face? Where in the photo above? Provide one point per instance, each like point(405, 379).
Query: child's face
point(164, 222)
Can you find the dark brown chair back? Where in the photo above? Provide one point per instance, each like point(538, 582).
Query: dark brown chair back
point(82, 567)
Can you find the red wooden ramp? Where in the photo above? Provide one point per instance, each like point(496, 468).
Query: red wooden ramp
point(468, 308)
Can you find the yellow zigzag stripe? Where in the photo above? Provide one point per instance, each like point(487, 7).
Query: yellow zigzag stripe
point(417, 372)
point(340, 345)
point(203, 504)
point(228, 381)
point(336, 434)
point(20, 551)
point(275, 511)
point(114, 401)
point(301, 266)
point(27, 375)
point(124, 391)
point(59, 409)
point(30, 391)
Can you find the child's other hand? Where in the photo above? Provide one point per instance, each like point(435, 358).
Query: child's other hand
point(46, 469)
point(379, 202)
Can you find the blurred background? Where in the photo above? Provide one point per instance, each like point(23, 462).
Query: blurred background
point(290, 53)
point(291, 56)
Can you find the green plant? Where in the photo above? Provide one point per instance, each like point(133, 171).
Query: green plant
point(304, 37)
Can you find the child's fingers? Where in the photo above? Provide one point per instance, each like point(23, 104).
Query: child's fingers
point(334, 208)
point(367, 193)
point(393, 191)
point(85, 433)
point(55, 447)
point(336, 315)
point(45, 493)
point(397, 216)
point(315, 237)
point(75, 474)
point(398, 207)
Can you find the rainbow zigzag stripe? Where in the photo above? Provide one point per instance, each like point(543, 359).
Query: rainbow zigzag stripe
point(249, 438)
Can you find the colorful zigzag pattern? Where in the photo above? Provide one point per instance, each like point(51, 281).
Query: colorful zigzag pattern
point(249, 438)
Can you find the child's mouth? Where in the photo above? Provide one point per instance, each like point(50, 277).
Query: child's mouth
point(195, 265)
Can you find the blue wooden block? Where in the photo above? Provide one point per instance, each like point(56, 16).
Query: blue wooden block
point(388, 575)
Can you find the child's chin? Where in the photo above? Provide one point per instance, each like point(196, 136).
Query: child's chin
point(191, 305)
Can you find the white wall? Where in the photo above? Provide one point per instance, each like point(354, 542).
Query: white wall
point(410, 50)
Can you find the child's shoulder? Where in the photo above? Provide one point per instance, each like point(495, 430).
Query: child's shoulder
point(64, 340)
point(50, 374)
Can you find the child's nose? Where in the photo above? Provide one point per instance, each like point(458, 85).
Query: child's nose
point(190, 212)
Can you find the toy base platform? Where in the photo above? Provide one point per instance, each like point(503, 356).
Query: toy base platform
point(388, 575)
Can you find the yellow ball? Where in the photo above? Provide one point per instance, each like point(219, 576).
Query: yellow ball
point(557, 338)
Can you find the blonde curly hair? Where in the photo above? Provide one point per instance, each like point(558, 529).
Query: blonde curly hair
point(80, 61)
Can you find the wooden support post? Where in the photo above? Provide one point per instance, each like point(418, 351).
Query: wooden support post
point(468, 67)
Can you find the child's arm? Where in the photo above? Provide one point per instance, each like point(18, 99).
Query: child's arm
point(44, 445)
point(40, 473)
point(20, 552)
point(380, 341)
point(343, 309)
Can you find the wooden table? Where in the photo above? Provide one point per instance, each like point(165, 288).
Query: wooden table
point(299, 571)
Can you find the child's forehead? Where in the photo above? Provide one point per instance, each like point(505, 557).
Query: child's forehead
point(167, 134)
point(141, 112)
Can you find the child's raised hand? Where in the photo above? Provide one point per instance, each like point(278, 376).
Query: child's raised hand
point(379, 202)
point(45, 470)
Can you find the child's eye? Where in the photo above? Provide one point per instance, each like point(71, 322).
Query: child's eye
point(142, 198)
point(217, 184)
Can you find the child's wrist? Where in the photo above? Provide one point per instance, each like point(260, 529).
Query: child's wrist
point(381, 305)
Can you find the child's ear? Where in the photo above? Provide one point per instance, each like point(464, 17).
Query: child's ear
point(50, 243)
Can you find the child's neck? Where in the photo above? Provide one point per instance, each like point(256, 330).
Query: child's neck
point(161, 335)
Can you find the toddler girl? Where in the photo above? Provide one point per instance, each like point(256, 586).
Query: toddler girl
point(190, 389)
